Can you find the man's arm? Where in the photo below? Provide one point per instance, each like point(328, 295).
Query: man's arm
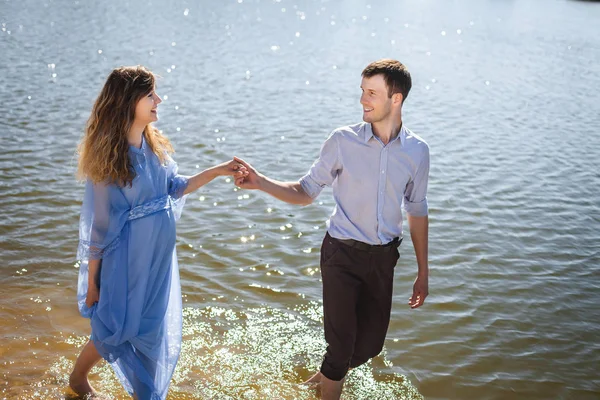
point(415, 204)
point(322, 173)
point(290, 192)
point(419, 233)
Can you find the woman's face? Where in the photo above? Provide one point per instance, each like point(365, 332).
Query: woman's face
point(146, 108)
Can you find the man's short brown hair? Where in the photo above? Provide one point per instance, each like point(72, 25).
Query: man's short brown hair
point(397, 77)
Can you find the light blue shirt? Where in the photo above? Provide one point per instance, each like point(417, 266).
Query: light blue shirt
point(371, 181)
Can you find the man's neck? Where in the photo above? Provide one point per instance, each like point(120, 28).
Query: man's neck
point(387, 130)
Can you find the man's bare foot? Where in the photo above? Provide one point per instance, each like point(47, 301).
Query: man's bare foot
point(314, 380)
point(82, 387)
point(331, 390)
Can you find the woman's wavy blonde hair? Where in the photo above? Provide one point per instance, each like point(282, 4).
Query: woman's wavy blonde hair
point(103, 151)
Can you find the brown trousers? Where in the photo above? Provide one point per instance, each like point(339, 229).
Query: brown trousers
point(357, 301)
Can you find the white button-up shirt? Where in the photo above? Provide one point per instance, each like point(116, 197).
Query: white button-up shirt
point(371, 181)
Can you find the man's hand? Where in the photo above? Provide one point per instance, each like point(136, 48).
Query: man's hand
point(251, 178)
point(93, 295)
point(420, 292)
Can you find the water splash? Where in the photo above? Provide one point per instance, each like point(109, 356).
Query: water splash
point(259, 353)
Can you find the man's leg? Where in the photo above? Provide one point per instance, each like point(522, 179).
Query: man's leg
point(374, 308)
point(341, 272)
point(331, 390)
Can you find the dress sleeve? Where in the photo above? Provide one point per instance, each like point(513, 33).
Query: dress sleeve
point(104, 213)
point(177, 185)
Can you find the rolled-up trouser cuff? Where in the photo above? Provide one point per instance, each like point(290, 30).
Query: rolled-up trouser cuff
point(335, 374)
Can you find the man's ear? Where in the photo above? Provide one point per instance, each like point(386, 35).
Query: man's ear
point(397, 98)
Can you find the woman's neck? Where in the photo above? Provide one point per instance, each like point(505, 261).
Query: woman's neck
point(134, 137)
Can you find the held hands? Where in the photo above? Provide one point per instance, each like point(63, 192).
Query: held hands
point(233, 168)
point(251, 180)
point(420, 292)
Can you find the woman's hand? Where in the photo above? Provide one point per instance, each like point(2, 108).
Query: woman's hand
point(93, 295)
point(233, 168)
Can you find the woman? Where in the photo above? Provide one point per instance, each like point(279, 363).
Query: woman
point(128, 279)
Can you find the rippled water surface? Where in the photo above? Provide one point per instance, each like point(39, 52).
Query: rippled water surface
point(506, 95)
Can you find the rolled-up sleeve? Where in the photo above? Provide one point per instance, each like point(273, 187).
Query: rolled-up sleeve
point(415, 194)
point(324, 170)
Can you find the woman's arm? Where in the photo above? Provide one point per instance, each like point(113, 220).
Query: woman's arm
point(93, 292)
point(232, 168)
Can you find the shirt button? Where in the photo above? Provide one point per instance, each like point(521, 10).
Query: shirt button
point(382, 171)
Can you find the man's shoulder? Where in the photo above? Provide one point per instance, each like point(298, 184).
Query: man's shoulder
point(350, 131)
point(414, 140)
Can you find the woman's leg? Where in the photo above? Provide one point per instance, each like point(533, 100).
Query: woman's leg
point(78, 381)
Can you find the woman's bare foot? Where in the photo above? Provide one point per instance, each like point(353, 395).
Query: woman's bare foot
point(78, 380)
point(82, 387)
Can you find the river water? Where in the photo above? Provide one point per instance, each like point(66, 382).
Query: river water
point(505, 93)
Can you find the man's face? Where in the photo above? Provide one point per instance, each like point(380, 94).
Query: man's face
point(377, 106)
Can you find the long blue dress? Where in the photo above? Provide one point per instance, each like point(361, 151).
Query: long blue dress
point(136, 324)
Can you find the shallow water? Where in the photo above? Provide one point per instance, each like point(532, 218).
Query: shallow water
point(257, 353)
point(505, 93)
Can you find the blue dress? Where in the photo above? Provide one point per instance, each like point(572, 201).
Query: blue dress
point(136, 324)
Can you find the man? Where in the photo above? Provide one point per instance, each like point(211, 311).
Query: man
point(374, 167)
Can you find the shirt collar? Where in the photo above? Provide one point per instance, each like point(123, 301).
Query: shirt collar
point(369, 134)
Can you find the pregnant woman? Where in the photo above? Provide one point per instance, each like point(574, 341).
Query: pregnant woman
point(128, 278)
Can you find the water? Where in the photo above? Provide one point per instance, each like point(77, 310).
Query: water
point(506, 95)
